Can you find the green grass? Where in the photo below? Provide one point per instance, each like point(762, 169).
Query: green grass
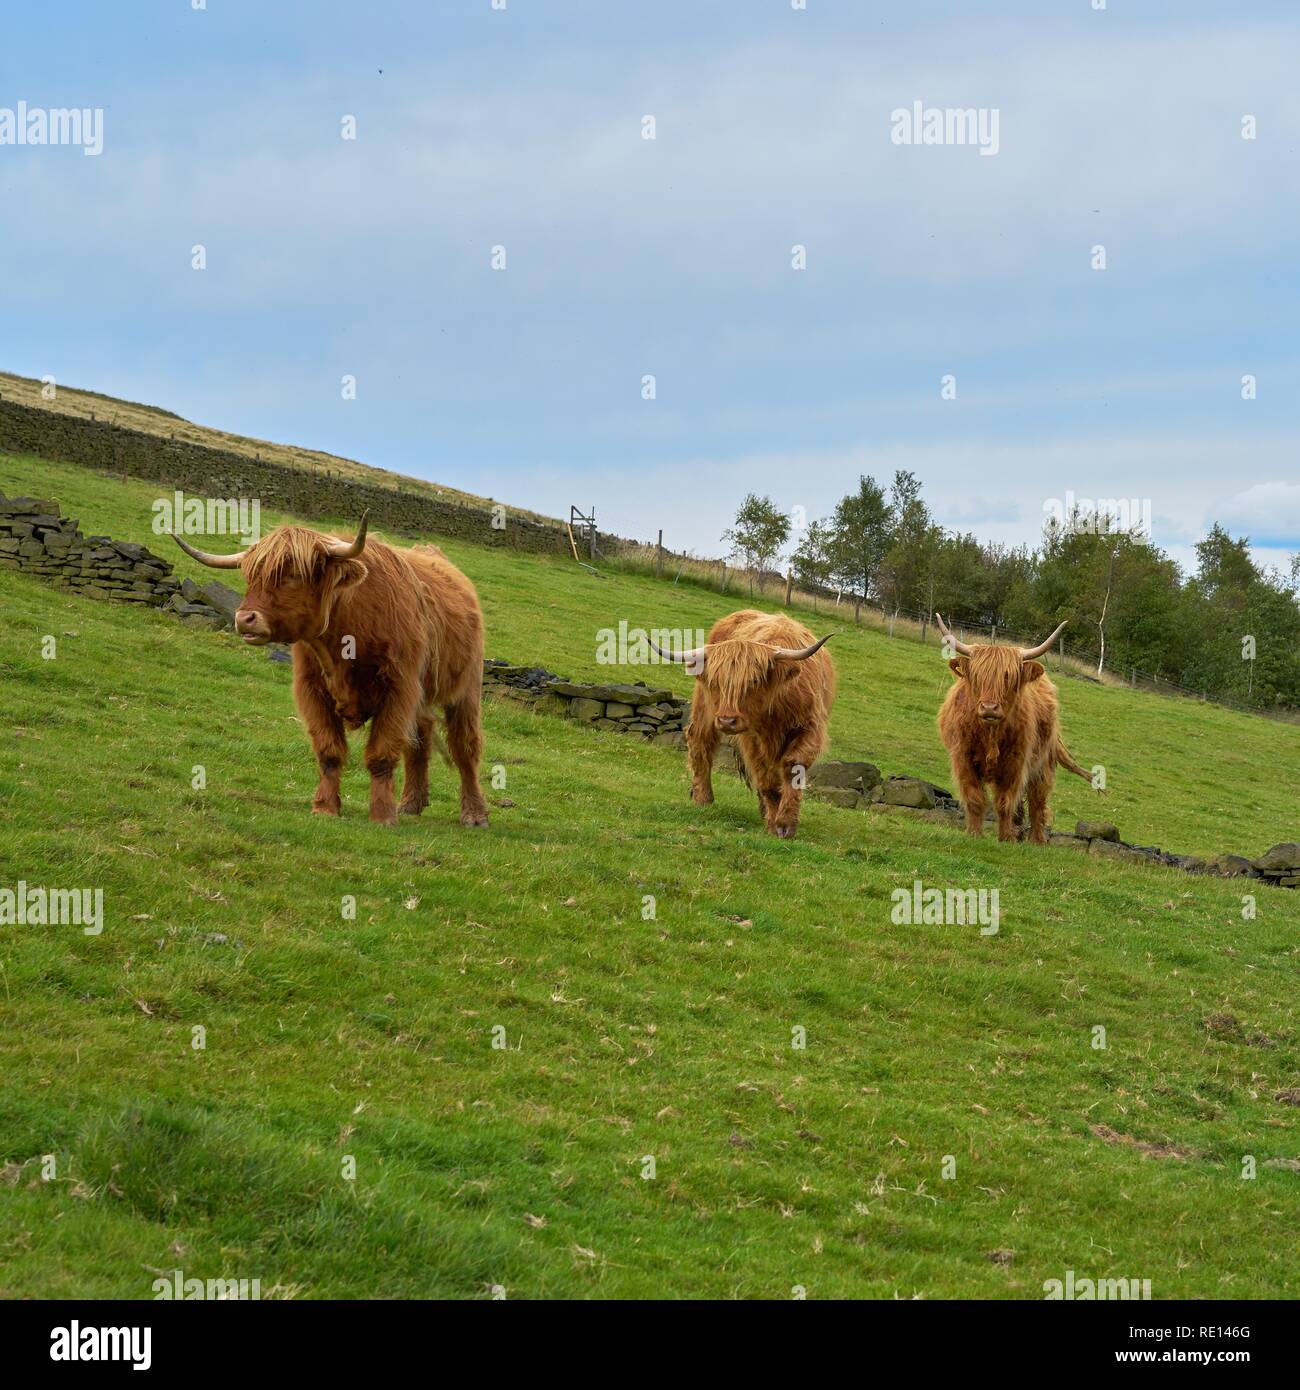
point(626, 1037)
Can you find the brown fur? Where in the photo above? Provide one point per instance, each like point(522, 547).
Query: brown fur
point(1017, 756)
point(781, 709)
point(416, 641)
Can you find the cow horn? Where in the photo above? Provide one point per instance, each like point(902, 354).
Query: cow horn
point(943, 627)
point(1028, 653)
point(218, 562)
point(801, 653)
point(349, 550)
point(694, 657)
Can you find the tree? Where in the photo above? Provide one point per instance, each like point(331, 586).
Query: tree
point(812, 557)
point(903, 571)
point(860, 533)
point(758, 535)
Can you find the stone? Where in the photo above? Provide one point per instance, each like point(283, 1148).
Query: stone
point(671, 739)
point(625, 694)
point(615, 710)
point(1064, 841)
point(584, 709)
point(910, 792)
point(1096, 830)
point(1281, 859)
point(831, 773)
point(1230, 866)
point(848, 797)
point(1109, 849)
point(223, 599)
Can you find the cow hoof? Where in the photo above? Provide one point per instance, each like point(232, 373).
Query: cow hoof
point(324, 810)
point(477, 822)
point(411, 808)
point(702, 798)
point(785, 832)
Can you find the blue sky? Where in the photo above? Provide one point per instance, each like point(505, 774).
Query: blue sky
point(672, 257)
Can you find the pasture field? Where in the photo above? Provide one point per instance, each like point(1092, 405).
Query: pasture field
point(775, 1167)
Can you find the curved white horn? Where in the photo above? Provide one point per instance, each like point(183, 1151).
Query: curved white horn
point(943, 627)
point(1028, 653)
point(802, 653)
point(218, 562)
point(349, 550)
point(694, 657)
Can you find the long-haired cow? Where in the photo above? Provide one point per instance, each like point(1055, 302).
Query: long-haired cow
point(1000, 724)
point(380, 636)
point(764, 678)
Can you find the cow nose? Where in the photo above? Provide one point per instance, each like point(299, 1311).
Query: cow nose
point(989, 708)
point(245, 618)
point(726, 722)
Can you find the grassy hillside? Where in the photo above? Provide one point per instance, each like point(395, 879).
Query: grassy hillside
point(1184, 775)
point(776, 1167)
point(150, 419)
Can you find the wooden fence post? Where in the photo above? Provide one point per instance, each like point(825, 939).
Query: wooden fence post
point(659, 555)
point(789, 576)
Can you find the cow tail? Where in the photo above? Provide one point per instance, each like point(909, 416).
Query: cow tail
point(435, 734)
point(1064, 759)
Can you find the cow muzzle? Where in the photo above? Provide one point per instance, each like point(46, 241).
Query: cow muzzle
point(991, 714)
point(729, 724)
point(252, 627)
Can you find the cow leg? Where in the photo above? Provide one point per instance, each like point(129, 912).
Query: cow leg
point(1039, 790)
point(1006, 802)
point(391, 731)
point(702, 740)
point(329, 742)
point(415, 780)
point(465, 744)
point(795, 763)
point(970, 788)
point(769, 800)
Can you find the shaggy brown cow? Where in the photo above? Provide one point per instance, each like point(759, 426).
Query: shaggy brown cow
point(379, 640)
point(1000, 725)
point(764, 678)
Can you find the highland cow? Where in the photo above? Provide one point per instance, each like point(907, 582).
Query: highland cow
point(379, 640)
point(763, 678)
point(1000, 724)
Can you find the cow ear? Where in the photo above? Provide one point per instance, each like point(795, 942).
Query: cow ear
point(1030, 671)
point(343, 574)
point(958, 666)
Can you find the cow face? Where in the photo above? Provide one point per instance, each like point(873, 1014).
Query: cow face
point(994, 677)
point(293, 576)
point(287, 604)
point(742, 679)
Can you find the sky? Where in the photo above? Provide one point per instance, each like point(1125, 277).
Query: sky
point(524, 128)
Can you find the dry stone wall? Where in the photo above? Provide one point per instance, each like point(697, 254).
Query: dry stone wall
point(204, 471)
point(36, 539)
